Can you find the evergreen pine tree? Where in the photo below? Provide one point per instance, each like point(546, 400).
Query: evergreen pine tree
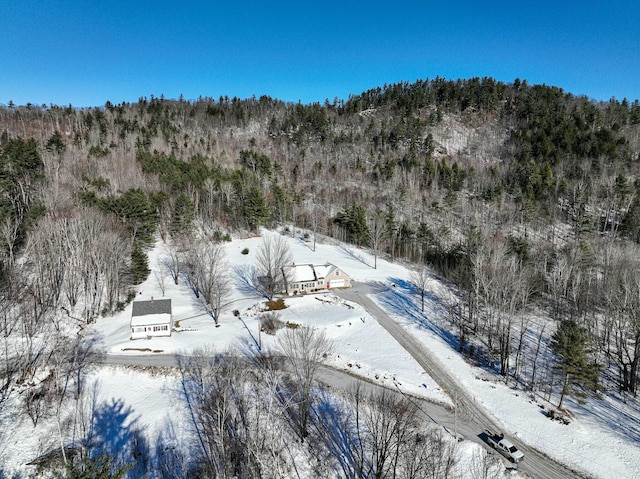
point(360, 229)
point(182, 217)
point(631, 222)
point(354, 221)
point(572, 346)
point(103, 466)
point(139, 264)
point(56, 143)
point(256, 212)
point(135, 210)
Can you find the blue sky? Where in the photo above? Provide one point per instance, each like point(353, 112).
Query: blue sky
point(86, 53)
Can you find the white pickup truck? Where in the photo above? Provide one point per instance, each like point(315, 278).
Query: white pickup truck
point(504, 446)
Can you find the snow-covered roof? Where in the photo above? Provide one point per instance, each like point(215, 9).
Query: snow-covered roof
point(301, 273)
point(298, 273)
point(151, 319)
point(325, 270)
point(378, 359)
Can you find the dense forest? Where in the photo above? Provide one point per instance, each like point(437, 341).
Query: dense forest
point(524, 197)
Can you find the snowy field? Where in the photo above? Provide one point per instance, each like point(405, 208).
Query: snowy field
point(362, 347)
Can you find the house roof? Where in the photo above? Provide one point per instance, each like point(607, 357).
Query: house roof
point(301, 273)
point(309, 272)
point(155, 306)
point(325, 270)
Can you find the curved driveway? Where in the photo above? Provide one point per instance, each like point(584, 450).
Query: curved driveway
point(468, 421)
point(471, 420)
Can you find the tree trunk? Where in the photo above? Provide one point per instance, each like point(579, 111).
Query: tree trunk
point(563, 392)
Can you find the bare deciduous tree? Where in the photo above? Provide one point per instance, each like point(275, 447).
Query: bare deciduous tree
point(436, 452)
point(70, 360)
point(305, 349)
point(485, 466)
point(209, 274)
point(378, 434)
point(215, 389)
point(504, 291)
point(421, 276)
point(79, 258)
point(159, 276)
point(172, 261)
point(9, 234)
point(384, 422)
point(377, 233)
point(272, 258)
point(624, 333)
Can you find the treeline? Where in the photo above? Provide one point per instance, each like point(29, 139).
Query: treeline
point(250, 420)
point(246, 418)
point(480, 179)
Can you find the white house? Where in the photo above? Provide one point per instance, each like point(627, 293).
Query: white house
point(151, 318)
point(309, 278)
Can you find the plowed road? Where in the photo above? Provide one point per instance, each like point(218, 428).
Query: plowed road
point(471, 419)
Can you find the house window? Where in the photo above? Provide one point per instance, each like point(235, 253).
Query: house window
point(320, 282)
point(337, 273)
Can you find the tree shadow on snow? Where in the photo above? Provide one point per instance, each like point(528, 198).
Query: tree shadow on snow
point(115, 432)
point(170, 461)
point(349, 252)
point(334, 425)
point(286, 393)
point(403, 299)
point(246, 280)
point(306, 242)
point(612, 414)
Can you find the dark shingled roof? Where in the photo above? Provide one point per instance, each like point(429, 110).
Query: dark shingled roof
point(156, 306)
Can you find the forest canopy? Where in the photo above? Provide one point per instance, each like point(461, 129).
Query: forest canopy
point(478, 179)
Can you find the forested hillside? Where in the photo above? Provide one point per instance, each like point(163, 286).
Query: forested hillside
point(523, 196)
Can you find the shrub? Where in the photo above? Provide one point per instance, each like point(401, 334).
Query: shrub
point(270, 323)
point(245, 251)
point(121, 305)
point(219, 237)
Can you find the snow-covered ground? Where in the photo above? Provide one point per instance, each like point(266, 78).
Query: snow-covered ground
point(351, 328)
point(603, 439)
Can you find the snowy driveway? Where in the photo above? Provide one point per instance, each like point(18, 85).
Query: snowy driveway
point(471, 419)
